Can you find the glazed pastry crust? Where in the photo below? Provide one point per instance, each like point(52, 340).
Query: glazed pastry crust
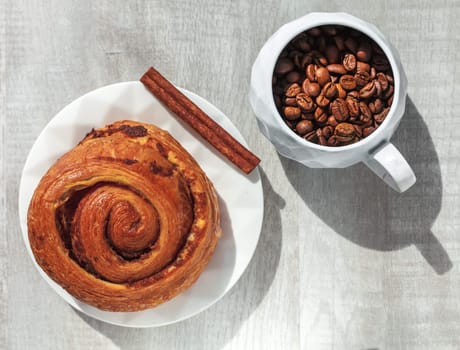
point(126, 220)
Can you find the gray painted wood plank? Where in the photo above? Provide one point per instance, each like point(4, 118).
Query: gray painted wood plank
point(343, 262)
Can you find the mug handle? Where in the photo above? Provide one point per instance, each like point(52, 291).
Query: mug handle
point(389, 164)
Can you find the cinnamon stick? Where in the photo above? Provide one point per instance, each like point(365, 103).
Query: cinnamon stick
point(204, 125)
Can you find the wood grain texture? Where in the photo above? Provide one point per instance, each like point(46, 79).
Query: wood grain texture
point(343, 262)
point(3, 224)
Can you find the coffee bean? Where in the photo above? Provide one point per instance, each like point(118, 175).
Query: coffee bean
point(389, 78)
point(329, 90)
point(311, 72)
point(373, 73)
point(344, 140)
point(328, 130)
point(332, 54)
point(297, 59)
point(305, 102)
point(320, 115)
point(390, 101)
point(333, 85)
point(339, 110)
point(389, 92)
point(333, 141)
point(311, 136)
point(358, 130)
point(321, 138)
point(341, 91)
point(348, 82)
point(380, 63)
point(336, 68)
point(380, 117)
point(321, 41)
point(332, 121)
point(377, 49)
point(349, 62)
point(339, 42)
point(354, 94)
point(362, 78)
point(365, 111)
point(314, 31)
point(302, 44)
point(321, 60)
point(353, 119)
point(295, 53)
point(290, 101)
point(322, 76)
point(364, 122)
point(344, 132)
point(291, 113)
point(368, 90)
point(376, 106)
point(362, 67)
point(304, 126)
point(329, 30)
point(351, 44)
point(305, 61)
point(283, 66)
point(378, 88)
point(322, 101)
point(353, 107)
point(312, 89)
point(293, 90)
point(293, 77)
point(364, 52)
point(307, 116)
point(382, 79)
point(367, 131)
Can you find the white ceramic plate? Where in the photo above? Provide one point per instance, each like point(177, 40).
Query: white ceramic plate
point(240, 196)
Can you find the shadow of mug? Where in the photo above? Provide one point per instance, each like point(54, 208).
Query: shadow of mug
point(363, 209)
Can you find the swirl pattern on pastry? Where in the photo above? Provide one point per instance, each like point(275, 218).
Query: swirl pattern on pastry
point(126, 220)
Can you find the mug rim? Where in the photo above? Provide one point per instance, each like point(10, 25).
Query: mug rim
point(346, 20)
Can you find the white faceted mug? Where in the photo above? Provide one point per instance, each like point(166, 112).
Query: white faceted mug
point(375, 150)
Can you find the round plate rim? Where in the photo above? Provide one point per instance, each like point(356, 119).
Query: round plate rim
point(76, 303)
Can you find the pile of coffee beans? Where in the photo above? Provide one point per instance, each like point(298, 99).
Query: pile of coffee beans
point(333, 85)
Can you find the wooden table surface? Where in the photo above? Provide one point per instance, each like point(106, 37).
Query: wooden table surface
point(343, 262)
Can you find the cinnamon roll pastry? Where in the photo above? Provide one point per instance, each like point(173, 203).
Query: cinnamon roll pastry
point(126, 220)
